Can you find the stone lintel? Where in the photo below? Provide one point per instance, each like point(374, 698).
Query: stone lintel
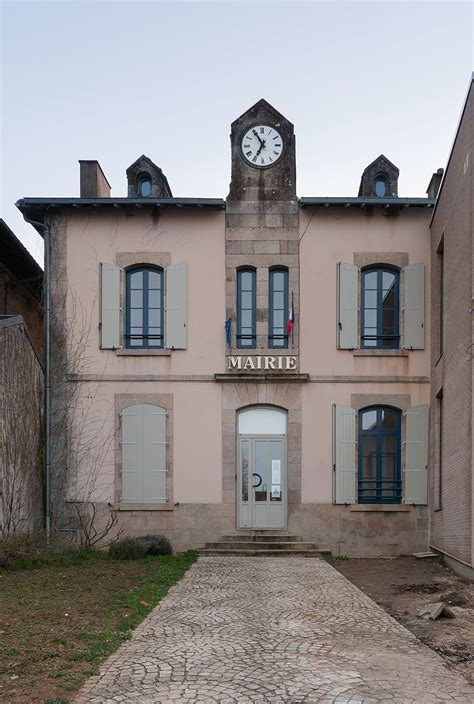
point(259, 378)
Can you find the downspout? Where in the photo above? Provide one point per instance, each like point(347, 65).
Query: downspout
point(47, 372)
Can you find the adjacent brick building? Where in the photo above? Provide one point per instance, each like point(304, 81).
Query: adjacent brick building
point(21, 285)
point(452, 372)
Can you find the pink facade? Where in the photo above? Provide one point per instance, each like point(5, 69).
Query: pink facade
point(159, 411)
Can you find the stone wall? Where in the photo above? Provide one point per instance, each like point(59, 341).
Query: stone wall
point(21, 431)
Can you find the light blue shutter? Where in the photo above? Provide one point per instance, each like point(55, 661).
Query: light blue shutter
point(132, 454)
point(416, 455)
point(109, 306)
point(347, 306)
point(144, 454)
point(176, 306)
point(413, 283)
point(154, 454)
point(344, 454)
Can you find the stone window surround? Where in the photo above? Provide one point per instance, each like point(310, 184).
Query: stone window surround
point(165, 401)
point(126, 260)
point(398, 260)
point(401, 402)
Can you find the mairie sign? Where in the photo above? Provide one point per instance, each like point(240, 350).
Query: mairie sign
point(282, 363)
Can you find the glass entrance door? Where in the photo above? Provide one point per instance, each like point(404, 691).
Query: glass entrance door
point(262, 482)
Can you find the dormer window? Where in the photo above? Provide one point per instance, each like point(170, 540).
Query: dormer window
point(380, 186)
point(379, 179)
point(144, 186)
point(147, 180)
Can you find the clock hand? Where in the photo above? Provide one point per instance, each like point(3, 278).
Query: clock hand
point(262, 146)
point(256, 134)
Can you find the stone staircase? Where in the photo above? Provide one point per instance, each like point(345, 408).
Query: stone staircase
point(262, 543)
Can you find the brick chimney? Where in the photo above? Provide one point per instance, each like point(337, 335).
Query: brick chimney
point(435, 183)
point(94, 183)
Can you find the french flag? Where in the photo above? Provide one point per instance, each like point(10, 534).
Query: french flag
point(291, 318)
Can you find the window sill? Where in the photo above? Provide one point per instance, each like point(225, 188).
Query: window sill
point(123, 506)
point(369, 508)
point(380, 353)
point(143, 353)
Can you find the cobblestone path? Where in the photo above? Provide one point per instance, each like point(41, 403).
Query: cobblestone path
point(272, 630)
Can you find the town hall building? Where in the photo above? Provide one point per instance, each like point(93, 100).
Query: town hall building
point(255, 363)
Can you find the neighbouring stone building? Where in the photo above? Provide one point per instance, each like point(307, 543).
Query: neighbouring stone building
point(260, 362)
point(21, 388)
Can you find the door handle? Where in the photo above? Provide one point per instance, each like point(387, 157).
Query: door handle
point(255, 486)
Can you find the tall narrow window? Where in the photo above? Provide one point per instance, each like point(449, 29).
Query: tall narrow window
point(144, 306)
point(379, 476)
point(439, 429)
point(440, 273)
point(246, 308)
point(278, 308)
point(380, 308)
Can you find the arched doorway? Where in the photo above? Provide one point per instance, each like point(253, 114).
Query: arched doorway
point(261, 468)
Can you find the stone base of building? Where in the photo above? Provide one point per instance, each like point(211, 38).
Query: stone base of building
point(355, 531)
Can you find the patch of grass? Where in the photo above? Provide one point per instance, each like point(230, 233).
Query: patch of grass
point(66, 558)
point(339, 557)
point(64, 614)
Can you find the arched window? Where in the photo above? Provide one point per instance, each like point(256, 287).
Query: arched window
point(379, 475)
point(144, 308)
point(246, 308)
point(380, 322)
point(144, 186)
point(262, 420)
point(381, 186)
point(278, 308)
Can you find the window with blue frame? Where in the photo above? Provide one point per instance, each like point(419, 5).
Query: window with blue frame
point(278, 308)
point(144, 186)
point(380, 312)
point(144, 326)
point(246, 308)
point(379, 473)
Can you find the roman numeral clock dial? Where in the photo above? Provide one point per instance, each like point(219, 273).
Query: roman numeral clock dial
point(262, 146)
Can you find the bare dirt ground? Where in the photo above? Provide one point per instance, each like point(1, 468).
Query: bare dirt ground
point(402, 586)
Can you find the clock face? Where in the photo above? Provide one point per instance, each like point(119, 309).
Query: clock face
point(262, 145)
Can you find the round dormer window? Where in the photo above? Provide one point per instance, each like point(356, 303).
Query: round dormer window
point(144, 186)
point(380, 186)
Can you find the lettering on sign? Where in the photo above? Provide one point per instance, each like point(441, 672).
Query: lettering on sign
point(283, 363)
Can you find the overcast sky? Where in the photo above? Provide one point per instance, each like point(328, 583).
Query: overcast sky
point(112, 80)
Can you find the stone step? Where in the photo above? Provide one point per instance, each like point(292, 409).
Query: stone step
point(261, 553)
point(245, 538)
point(260, 545)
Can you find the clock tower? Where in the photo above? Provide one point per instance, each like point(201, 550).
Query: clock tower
point(263, 156)
point(262, 218)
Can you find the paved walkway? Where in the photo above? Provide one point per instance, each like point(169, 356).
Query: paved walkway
point(272, 630)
